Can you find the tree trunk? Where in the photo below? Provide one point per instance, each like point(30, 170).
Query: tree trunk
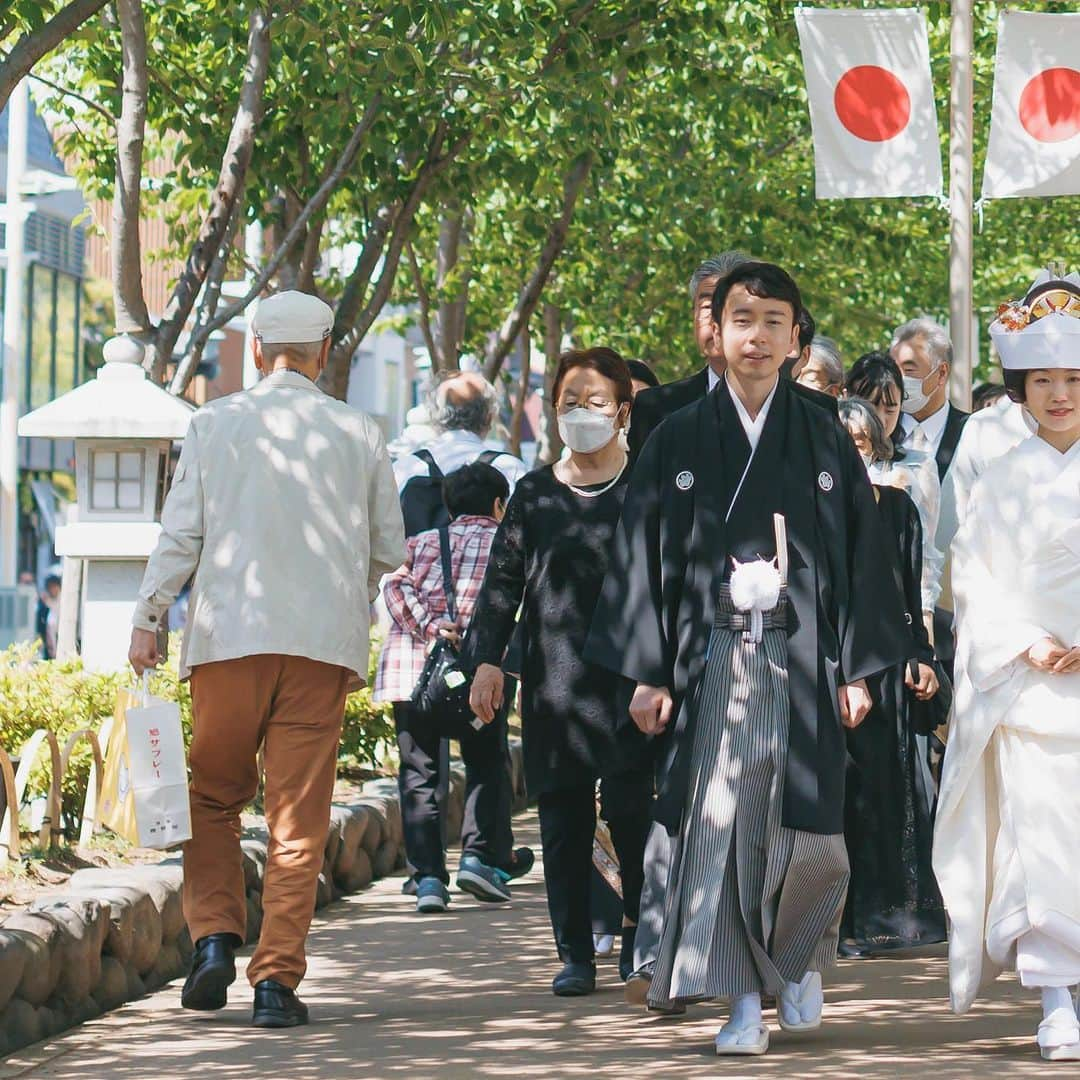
point(131, 314)
point(454, 232)
point(35, 44)
point(517, 417)
point(230, 186)
point(551, 444)
point(529, 297)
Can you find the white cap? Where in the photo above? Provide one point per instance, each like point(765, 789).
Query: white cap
point(1040, 341)
point(292, 317)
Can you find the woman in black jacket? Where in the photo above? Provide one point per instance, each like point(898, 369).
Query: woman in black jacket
point(549, 558)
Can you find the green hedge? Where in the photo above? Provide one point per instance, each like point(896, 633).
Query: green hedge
point(64, 698)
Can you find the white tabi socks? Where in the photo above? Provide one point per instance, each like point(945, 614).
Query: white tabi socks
point(744, 1033)
point(1059, 1033)
point(799, 1004)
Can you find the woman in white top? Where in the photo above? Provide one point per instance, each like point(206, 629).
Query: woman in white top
point(876, 378)
point(1004, 845)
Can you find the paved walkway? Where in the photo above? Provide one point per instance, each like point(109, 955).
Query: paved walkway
point(467, 994)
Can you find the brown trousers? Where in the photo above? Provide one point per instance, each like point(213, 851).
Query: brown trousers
point(293, 708)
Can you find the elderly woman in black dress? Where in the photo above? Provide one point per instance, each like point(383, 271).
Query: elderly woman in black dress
point(549, 557)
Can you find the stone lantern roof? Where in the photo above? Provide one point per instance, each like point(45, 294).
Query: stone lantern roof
point(121, 403)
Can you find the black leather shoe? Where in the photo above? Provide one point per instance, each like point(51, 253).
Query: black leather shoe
point(521, 862)
point(575, 980)
point(213, 970)
point(276, 1006)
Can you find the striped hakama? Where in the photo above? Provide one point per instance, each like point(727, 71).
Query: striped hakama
point(750, 904)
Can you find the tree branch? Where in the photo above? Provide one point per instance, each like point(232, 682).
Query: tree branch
point(423, 298)
point(529, 297)
point(314, 206)
point(185, 370)
point(227, 191)
point(337, 372)
point(131, 314)
point(35, 44)
point(64, 92)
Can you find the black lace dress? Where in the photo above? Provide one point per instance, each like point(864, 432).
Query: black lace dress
point(893, 900)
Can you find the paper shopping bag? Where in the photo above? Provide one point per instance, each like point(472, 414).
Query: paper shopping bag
point(156, 772)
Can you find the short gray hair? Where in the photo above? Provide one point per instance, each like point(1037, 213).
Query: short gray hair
point(827, 353)
point(475, 413)
point(938, 344)
point(718, 266)
point(857, 411)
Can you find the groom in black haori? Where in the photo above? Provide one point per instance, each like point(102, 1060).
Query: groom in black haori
point(745, 601)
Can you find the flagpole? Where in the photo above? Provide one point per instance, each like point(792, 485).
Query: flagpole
point(961, 203)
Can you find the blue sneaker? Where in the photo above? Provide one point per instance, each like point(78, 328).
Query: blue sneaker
point(482, 881)
point(431, 896)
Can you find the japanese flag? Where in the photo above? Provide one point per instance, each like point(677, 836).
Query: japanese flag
point(871, 103)
point(1035, 124)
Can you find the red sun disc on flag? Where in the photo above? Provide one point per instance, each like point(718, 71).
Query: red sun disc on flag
point(872, 103)
point(1050, 105)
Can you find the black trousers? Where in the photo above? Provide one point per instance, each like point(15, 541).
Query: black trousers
point(485, 829)
point(567, 825)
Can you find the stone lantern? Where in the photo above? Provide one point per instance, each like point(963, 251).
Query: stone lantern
point(124, 427)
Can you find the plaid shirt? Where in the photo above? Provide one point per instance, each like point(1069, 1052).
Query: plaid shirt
point(416, 599)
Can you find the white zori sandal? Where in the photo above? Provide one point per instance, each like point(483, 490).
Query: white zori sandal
point(744, 1034)
point(799, 1005)
point(1059, 1036)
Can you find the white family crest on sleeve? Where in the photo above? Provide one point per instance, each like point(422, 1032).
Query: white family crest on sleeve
point(685, 480)
point(825, 481)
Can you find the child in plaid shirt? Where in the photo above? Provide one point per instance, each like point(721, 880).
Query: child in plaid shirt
point(415, 596)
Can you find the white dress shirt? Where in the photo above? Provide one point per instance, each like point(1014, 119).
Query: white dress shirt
point(932, 428)
point(453, 450)
point(283, 506)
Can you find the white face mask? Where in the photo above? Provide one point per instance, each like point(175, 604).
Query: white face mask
point(585, 431)
point(915, 397)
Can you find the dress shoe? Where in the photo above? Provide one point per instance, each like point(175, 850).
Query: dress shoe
point(576, 979)
point(276, 1006)
point(521, 862)
point(213, 970)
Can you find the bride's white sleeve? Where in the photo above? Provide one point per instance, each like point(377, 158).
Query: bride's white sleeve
point(990, 636)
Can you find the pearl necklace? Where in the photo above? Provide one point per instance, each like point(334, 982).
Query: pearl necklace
point(607, 487)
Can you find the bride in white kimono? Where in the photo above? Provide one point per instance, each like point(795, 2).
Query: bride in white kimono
point(1004, 851)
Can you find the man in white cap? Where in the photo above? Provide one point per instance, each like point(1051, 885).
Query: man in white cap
point(1004, 850)
point(284, 508)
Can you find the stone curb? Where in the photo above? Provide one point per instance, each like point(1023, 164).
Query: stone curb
point(114, 934)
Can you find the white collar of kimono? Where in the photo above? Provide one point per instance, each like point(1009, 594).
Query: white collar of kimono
point(753, 427)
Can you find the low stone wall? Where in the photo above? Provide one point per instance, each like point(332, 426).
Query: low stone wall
point(113, 934)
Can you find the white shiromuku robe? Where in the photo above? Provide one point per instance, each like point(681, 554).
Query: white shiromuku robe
point(1004, 845)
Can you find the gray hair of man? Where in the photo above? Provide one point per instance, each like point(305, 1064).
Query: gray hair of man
point(718, 266)
point(473, 408)
point(938, 344)
point(827, 353)
point(859, 413)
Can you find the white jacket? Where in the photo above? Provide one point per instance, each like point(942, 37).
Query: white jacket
point(284, 507)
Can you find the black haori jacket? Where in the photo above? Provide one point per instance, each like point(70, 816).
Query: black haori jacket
point(660, 595)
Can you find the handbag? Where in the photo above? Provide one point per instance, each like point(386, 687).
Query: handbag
point(926, 717)
point(442, 691)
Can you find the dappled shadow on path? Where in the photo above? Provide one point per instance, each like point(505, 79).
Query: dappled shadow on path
point(467, 994)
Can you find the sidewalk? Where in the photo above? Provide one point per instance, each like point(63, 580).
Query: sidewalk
point(467, 994)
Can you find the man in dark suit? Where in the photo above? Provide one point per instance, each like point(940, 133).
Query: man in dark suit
point(923, 352)
point(653, 405)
